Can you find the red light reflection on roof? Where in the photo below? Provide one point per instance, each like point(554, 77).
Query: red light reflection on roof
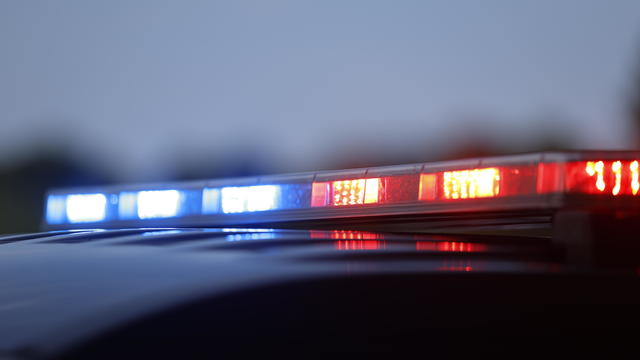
point(351, 240)
point(456, 266)
point(358, 244)
point(450, 246)
point(354, 235)
point(345, 235)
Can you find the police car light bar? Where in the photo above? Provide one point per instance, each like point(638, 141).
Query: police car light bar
point(541, 181)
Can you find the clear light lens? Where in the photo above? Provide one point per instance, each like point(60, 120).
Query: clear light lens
point(127, 208)
point(158, 204)
point(428, 185)
point(56, 205)
point(371, 188)
point(320, 194)
point(210, 201)
point(86, 207)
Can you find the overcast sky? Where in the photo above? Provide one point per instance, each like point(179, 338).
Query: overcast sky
point(132, 83)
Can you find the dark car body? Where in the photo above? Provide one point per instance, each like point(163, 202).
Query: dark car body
point(303, 293)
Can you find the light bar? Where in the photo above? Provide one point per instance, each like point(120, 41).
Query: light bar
point(542, 181)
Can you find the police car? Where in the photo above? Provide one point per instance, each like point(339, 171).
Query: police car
point(533, 254)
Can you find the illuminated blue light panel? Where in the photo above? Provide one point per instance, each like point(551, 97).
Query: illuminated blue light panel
point(86, 207)
point(249, 198)
point(158, 204)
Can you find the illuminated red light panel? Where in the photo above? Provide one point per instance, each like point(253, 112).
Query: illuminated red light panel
point(612, 177)
point(541, 181)
point(346, 192)
point(605, 177)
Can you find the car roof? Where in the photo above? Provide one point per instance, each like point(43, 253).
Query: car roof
point(56, 278)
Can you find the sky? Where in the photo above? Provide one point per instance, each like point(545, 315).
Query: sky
point(135, 85)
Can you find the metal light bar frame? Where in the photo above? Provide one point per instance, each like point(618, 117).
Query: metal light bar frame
point(528, 183)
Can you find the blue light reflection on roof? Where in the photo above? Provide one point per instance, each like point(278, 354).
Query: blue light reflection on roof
point(251, 236)
point(248, 230)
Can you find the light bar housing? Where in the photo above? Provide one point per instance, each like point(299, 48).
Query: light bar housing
point(529, 182)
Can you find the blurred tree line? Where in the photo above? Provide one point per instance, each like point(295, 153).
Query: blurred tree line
point(23, 186)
